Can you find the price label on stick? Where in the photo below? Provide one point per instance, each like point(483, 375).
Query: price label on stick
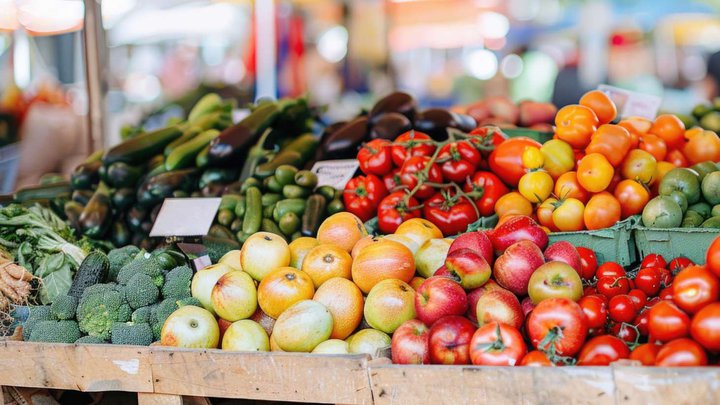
point(335, 173)
point(631, 103)
point(185, 217)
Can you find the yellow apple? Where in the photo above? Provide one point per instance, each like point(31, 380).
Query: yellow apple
point(262, 253)
point(431, 256)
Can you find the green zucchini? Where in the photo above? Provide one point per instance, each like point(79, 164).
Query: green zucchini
point(142, 147)
point(185, 154)
point(187, 135)
point(314, 215)
point(207, 104)
point(296, 205)
point(201, 160)
point(47, 192)
point(268, 225)
point(294, 154)
point(97, 214)
point(93, 270)
point(253, 211)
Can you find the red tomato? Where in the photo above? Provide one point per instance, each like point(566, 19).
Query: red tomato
point(705, 327)
point(411, 143)
point(458, 160)
point(497, 344)
point(612, 286)
point(610, 269)
point(536, 358)
point(666, 293)
point(645, 353)
point(363, 194)
point(588, 263)
point(666, 277)
point(392, 180)
point(413, 170)
point(374, 157)
point(595, 309)
point(678, 264)
point(506, 159)
point(559, 325)
point(625, 332)
point(393, 211)
point(641, 322)
point(712, 258)
point(449, 212)
point(695, 287)
point(622, 308)
point(485, 188)
point(667, 322)
point(603, 350)
point(638, 297)
point(681, 352)
point(654, 260)
point(590, 290)
point(648, 280)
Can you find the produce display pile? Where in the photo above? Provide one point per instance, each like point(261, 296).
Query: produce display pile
point(439, 250)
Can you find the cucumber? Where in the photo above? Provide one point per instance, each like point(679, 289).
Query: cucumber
point(296, 205)
point(187, 135)
point(326, 191)
point(269, 199)
point(142, 147)
point(228, 202)
point(306, 178)
point(253, 211)
point(335, 206)
point(289, 223)
point(93, 270)
point(240, 208)
point(314, 215)
point(236, 225)
point(272, 184)
point(121, 174)
point(269, 226)
point(225, 217)
point(220, 231)
point(207, 104)
point(268, 211)
point(294, 191)
point(285, 157)
point(249, 182)
point(47, 192)
point(185, 154)
point(285, 174)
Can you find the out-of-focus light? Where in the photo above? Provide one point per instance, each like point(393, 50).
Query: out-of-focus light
point(493, 25)
point(213, 51)
point(511, 66)
point(486, 3)
point(524, 10)
point(495, 44)
point(113, 10)
point(234, 72)
point(694, 67)
point(51, 16)
point(8, 16)
point(333, 44)
point(481, 63)
point(21, 57)
point(142, 88)
point(549, 12)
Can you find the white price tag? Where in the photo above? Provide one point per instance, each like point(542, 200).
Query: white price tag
point(185, 217)
point(630, 103)
point(335, 173)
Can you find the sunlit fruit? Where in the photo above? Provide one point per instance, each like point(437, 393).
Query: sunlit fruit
point(389, 304)
point(344, 300)
point(342, 229)
point(203, 282)
point(382, 260)
point(190, 327)
point(282, 288)
point(325, 261)
point(234, 296)
point(246, 336)
point(299, 248)
point(303, 326)
point(262, 253)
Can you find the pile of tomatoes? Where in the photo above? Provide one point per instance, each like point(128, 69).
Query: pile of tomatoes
point(446, 182)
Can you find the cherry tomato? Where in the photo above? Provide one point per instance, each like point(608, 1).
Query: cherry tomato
point(590, 290)
point(705, 327)
point(667, 322)
point(645, 353)
point(558, 157)
point(536, 358)
point(567, 186)
point(393, 211)
point(595, 173)
point(595, 310)
point(413, 171)
point(411, 143)
point(603, 107)
point(625, 332)
point(641, 322)
point(678, 264)
point(363, 194)
point(497, 344)
point(713, 257)
point(588, 263)
point(603, 350)
point(648, 280)
point(653, 260)
point(568, 215)
point(681, 352)
point(506, 159)
point(610, 269)
point(602, 211)
point(375, 158)
point(638, 297)
point(666, 293)
point(695, 287)
point(485, 188)
point(459, 160)
point(677, 158)
point(392, 180)
point(670, 129)
point(532, 158)
point(612, 286)
point(622, 308)
point(666, 277)
point(632, 195)
point(450, 212)
point(557, 324)
point(575, 125)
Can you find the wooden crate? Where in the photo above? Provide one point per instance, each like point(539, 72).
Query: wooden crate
point(176, 372)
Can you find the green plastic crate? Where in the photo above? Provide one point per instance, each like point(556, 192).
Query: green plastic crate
point(483, 223)
point(539, 136)
point(692, 243)
point(614, 244)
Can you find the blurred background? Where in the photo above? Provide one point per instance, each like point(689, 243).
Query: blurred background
point(159, 56)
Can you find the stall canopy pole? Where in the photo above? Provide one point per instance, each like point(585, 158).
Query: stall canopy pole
point(265, 49)
point(94, 40)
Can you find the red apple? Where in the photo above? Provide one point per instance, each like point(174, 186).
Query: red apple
point(516, 229)
point(474, 296)
point(469, 267)
point(449, 340)
point(410, 343)
point(566, 252)
point(263, 319)
point(223, 325)
point(443, 272)
point(503, 108)
point(555, 280)
point(478, 242)
point(500, 306)
point(527, 305)
point(513, 268)
point(438, 297)
point(534, 112)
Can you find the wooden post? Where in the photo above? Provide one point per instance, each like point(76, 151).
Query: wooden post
point(95, 52)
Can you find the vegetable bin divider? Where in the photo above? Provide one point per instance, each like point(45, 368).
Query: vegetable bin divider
point(692, 243)
point(611, 244)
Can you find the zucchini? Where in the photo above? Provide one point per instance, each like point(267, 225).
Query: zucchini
point(185, 154)
point(255, 156)
point(268, 225)
point(253, 211)
point(294, 154)
point(187, 135)
point(121, 174)
point(47, 192)
point(207, 104)
point(93, 270)
point(296, 205)
point(97, 214)
point(201, 160)
point(314, 215)
point(142, 147)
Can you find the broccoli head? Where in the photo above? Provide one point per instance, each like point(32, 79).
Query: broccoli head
point(189, 301)
point(140, 291)
point(150, 266)
point(119, 258)
point(98, 310)
point(131, 334)
point(63, 308)
point(142, 315)
point(124, 312)
point(36, 314)
point(89, 340)
point(177, 283)
point(55, 332)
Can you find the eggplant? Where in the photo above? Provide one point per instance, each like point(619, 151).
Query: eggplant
point(121, 174)
point(119, 233)
point(97, 214)
point(86, 175)
point(157, 188)
point(389, 126)
point(344, 143)
point(218, 175)
point(234, 142)
point(135, 217)
point(436, 121)
point(398, 102)
point(82, 196)
point(123, 198)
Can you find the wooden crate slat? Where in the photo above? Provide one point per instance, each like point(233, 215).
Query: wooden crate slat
point(652, 385)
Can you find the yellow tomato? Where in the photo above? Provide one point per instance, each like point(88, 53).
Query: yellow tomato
point(536, 186)
point(558, 157)
point(532, 158)
point(513, 203)
point(639, 165)
point(568, 216)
